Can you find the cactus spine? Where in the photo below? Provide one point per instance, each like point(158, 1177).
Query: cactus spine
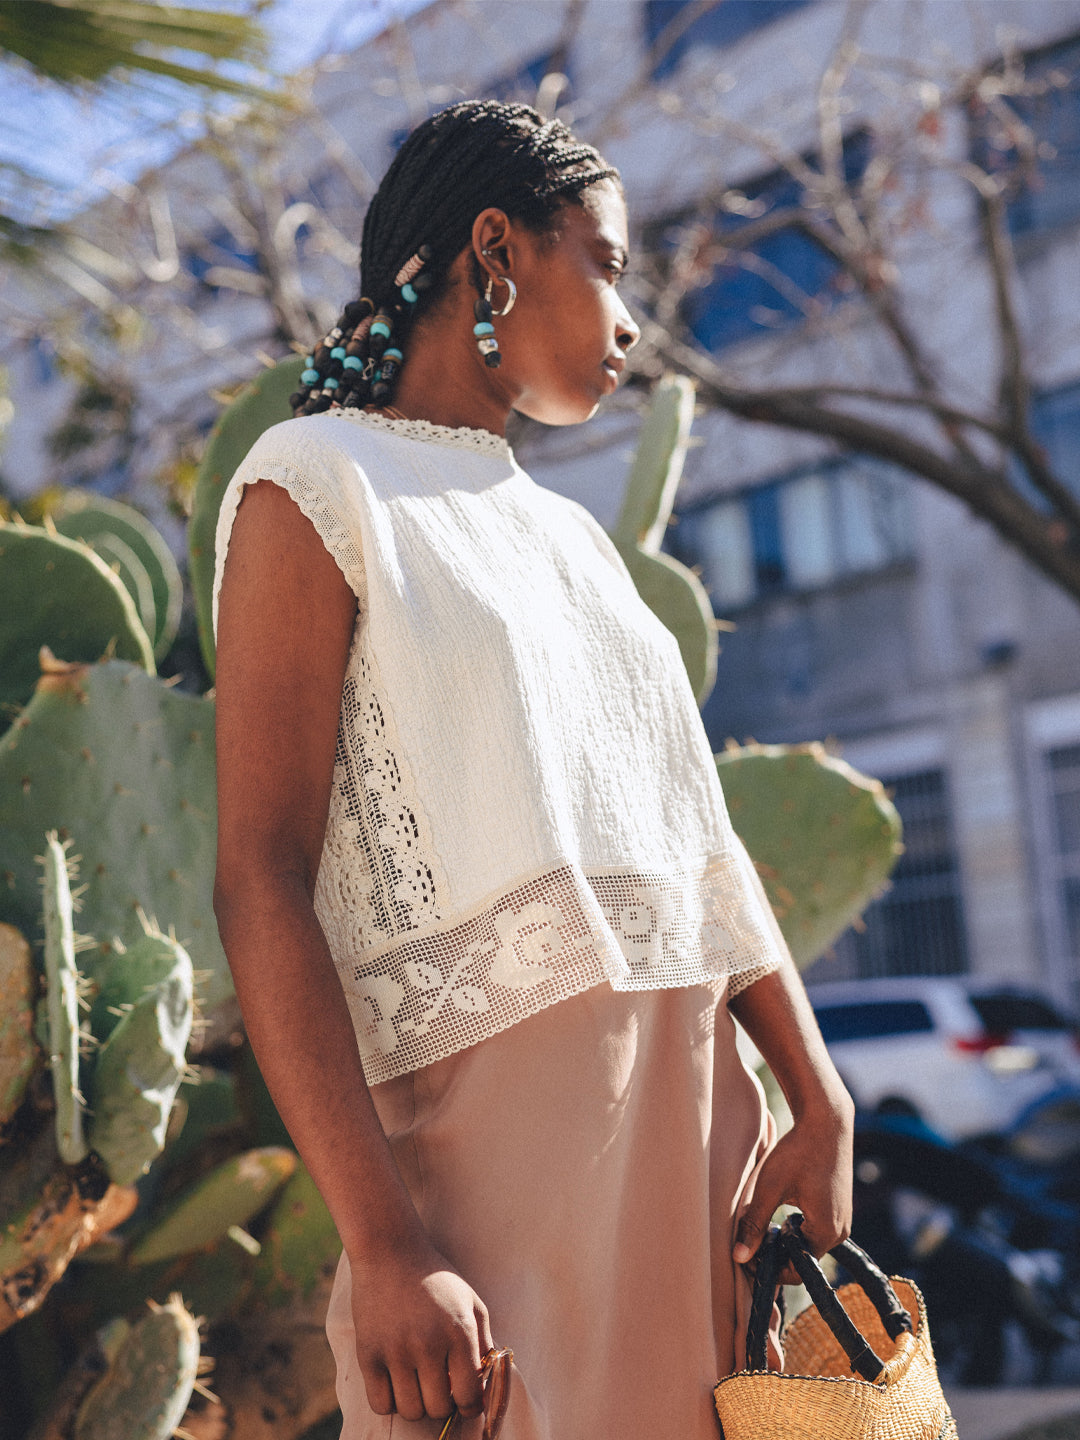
point(153, 1368)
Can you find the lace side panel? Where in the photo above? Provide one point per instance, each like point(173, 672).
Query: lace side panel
point(315, 504)
point(380, 876)
point(546, 938)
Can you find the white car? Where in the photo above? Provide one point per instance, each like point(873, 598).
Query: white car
point(919, 1046)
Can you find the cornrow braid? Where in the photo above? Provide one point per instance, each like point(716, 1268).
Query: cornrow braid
point(472, 155)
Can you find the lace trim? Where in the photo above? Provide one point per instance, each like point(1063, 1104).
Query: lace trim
point(312, 501)
point(484, 442)
point(420, 998)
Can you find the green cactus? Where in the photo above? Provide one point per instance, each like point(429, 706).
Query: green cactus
point(125, 538)
point(223, 1201)
point(261, 404)
point(672, 591)
point(120, 976)
point(58, 593)
point(823, 837)
point(62, 1001)
point(299, 1243)
point(18, 1049)
point(48, 1213)
point(126, 763)
point(139, 1069)
point(153, 1369)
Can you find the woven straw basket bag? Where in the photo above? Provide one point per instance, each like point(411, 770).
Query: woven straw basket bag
point(858, 1364)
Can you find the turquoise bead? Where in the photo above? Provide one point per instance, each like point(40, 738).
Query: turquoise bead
point(483, 328)
point(330, 384)
point(352, 362)
point(408, 292)
point(309, 360)
point(393, 354)
point(338, 352)
point(309, 377)
point(380, 328)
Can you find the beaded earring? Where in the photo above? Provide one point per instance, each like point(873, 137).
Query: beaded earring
point(484, 330)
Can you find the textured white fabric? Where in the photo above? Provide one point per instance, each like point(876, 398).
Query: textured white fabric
point(524, 800)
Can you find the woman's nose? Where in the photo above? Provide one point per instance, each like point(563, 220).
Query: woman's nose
point(627, 334)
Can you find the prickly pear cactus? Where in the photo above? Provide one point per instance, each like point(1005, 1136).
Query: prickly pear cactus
point(62, 1002)
point(668, 587)
point(139, 1068)
point(18, 1050)
point(263, 403)
point(822, 836)
point(119, 977)
point(57, 592)
point(123, 537)
point(153, 1368)
point(114, 756)
point(223, 1202)
point(48, 1213)
point(300, 1244)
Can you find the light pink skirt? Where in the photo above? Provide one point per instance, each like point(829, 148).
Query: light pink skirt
point(584, 1171)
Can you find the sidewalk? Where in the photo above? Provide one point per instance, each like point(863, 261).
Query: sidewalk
point(997, 1413)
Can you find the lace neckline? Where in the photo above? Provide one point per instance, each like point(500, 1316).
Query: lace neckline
point(464, 437)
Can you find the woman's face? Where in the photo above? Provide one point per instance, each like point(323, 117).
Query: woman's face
point(564, 341)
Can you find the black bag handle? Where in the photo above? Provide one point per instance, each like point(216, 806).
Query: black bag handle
point(789, 1243)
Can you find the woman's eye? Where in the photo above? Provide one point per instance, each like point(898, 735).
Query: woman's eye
point(616, 270)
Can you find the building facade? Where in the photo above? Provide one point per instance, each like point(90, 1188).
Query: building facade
point(869, 609)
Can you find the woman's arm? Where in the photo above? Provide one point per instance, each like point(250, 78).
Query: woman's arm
point(810, 1166)
point(286, 620)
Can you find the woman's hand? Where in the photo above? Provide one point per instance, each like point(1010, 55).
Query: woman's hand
point(421, 1332)
point(810, 1168)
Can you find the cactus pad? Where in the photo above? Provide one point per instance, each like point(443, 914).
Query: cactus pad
point(671, 590)
point(228, 1196)
point(125, 763)
point(123, 537)
point(259, 405)
point(18, 1049)
point(300, 1243)
point(47, 1215)
point(822, 836)
point(56, 592)
point(139, 1069)
point(62, 1002)
point(153, 1367)
point(119, 978)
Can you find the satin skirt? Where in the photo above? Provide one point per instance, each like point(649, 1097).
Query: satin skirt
point(585, 1171)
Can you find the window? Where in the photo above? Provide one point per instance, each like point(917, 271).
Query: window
point(873, 1020)
point(1055, 420)
point(723, 25)
point(803, 532)
point(769, 285)
point(1063, 773)
point(917, 927)
point(1048, 196)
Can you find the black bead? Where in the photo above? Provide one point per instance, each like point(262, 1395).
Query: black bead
point(482, 310)
point(492, 359)
point(380, 390)
point(317, 406)
point(422, 281)
point(297, 398)
point(357, 310)
point(424, 252)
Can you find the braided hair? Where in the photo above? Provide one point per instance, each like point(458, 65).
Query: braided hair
point(472, 155)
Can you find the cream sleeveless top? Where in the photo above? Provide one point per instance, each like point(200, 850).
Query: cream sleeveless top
point(524, 800)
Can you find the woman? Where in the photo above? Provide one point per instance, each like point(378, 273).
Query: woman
point(486, 915)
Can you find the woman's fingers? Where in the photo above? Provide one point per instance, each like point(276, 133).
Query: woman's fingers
point(435, 1388)
point(380, 1394)
point(408, 1399)
point(465, 1384)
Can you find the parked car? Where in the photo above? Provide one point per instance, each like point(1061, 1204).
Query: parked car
point(1024, 1016)
point(920, 1046)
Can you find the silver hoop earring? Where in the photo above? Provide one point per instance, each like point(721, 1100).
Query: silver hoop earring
point(511, 293)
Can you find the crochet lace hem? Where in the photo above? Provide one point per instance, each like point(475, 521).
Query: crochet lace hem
point(424, 996)
point(484, 442)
